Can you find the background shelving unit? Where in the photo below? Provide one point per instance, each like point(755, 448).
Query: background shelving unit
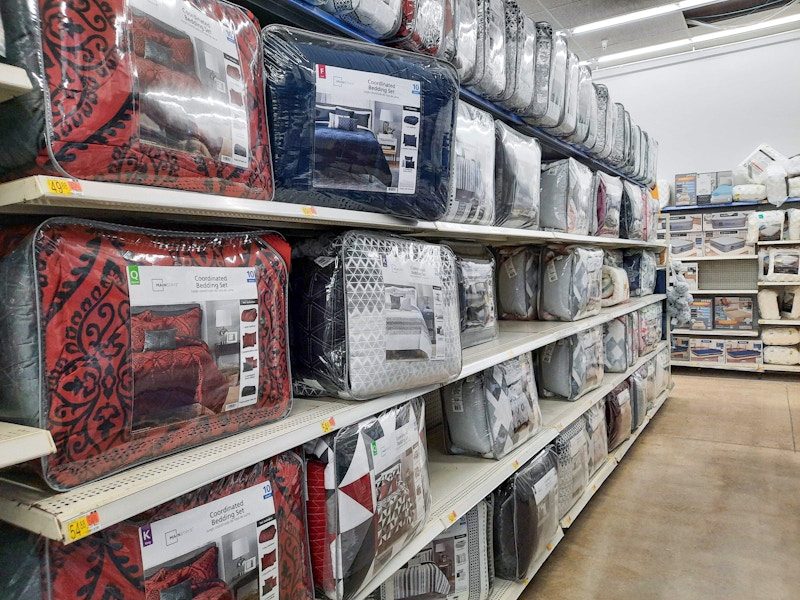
point(13, 82)
point(19, 444)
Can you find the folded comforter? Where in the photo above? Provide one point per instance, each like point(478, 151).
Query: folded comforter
point(566, 197)
point(518, 160)
point(607, 192)
point(518, 282)
point(632, 214)
point(641, 267)
point(572, 448)
point(520, 62)
point(619, 415)
point(572, 366)
point(595, 419)
point(476, 295)
point(571, 284)
point(490, 68)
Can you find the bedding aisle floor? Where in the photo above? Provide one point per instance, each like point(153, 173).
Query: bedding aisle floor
point(705, 505)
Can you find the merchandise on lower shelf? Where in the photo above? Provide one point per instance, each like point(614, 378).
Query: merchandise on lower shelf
point(608, 202)
point(632, 214)
point(707, 350)
point(702, 313)
point(726, 242)
point(518, 281)
point(734, 312)
point(616, 288)
point(651, 327)
point(618, 341)
point(780, 336)
point(641, 266)
point(744, 352)
point(572, 449)
point(680, 348)
point(619, 416)
point(638, 391)
point(518, 160)
point(595, 419)
point(573, 366)
point(691, 274)
point(476, 294)
point(566, 197)
point(782, 355)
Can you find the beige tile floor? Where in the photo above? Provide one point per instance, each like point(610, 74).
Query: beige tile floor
point(706, 505)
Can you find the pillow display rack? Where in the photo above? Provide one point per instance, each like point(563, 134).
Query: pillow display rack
point(572, 366)
point(373, 314)
point(571, 284)
point(111, 114)
point(476, 294)
point(597, 433)
point(619, 415)
point(517, 164)
point(518, 282)
point(525, 515)
point(139, 558)
point(566, 197)
point(368, 494)
point(457, 564)
point(326, 166)
point(641, 267)
point(492, 412)
point(80, 296)
point(572, 449)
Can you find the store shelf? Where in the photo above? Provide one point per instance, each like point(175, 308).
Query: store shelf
point(13, 82)
point(725, 292)
point(781, 322)
point(723, 207)
point(778, 283)
point(717, 332)
point(782, 368)
point(780, 243)
point(662, 398)
point(19, 444)
point(595, 483)
point(704, 258)
point(720, 366)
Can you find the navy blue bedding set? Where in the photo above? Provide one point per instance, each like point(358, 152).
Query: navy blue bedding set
point(294, 60)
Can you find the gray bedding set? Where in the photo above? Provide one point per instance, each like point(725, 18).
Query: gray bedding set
point(651, 327)
point(641, 267)
point(573, 366)
point(572, 449)
point(566, 197)
point(617, 342)
point(638, 386)
point(518, 160)
point(571, 283)
point(518, 282)
point(597, 432)
point(476, 276)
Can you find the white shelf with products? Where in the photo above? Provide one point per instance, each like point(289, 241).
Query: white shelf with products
point(780, 243)
point(597, 480)
point(778, 283)
point(511, 590)
point(702, 258)
point(718, 332)
point(780, 322)
point(720, 366)
point(782, 368)
point(19, 444)
point(14, 82)
point(723, 292)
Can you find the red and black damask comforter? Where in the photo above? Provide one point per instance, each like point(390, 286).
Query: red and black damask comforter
point(109, 565)
point(96, 374)
point(132, 93)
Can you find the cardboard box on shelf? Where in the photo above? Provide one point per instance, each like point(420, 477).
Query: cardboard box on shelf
point(706, 184)
point(726, 242)
point(661, 236)
point(723, 194)
point(684, 245)
point(707, 350)
point(686, 189)
point(680, 347)
point(685, 223)
point(733, 312)
point(702, 313)
point(736, 219)
point(692, 275)
point(744, 352)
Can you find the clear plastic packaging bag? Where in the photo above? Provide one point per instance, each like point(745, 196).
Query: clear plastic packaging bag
point(376, 18)
point(650, 318)
point(605, 123)
point(490, 68)
point(571, 286)
point(613, 257)
point(336, 146)
point(641, 267)
point(569, 119)
point(632, 214)
point(427, 26)
point(518, 282)
point(518, 160)
point(566, 197)
point(549, 99)
point(619, 415)
point(476, 293)
point(663, 360)
point(466, 16)
point(608, 205)
point(638, 387)
point(765, 226)
point(779, 264)
point(585, 133)
point(595, 419)
point(615, 289)
point(572, 448)
point(616, 341)
point(519, 89)
point(573, 366)
point(621, 137)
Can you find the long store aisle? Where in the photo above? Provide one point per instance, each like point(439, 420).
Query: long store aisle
point(705, 505)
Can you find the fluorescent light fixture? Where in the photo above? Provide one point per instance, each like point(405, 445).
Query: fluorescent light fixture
point(641, 15)
point(644, 50)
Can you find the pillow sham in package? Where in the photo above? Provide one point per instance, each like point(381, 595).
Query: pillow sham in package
point(518, 160)
point(525, 515)
point(457, 564)
point(585, 132)
point(466, 24)
point(427, 26)
point(572, 448)
point(368, 494)
point(572, 366)
point(780, 336)
point(519, 88)
point(781, 355)
point(476, 277)
point(333, 142)
point(376, 18)
point(641, 267)
point(472, 196)
point(137, 558)
point(638, 397)
point(617, 341)
point(566, 197)
point(569, 120)
point(492, 412)
point(572, 279)
point(631, 226)
point(490, 68)
point(110, 114)
point(765, 226)
point(165, 387)
point(650, 324)
point(607, 192)
point(374, 314)
point(605, 123)
point(595, 419)
point(518, 282)
point(619, 415)
point(779, 264)
point(615, 287)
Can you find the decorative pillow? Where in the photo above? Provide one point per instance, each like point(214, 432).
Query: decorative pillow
point(181, 591)
point(362, 118)
point(768, 304)
point(159, 339)
point(410, 140)
point(342, 122)
point(411, 120)
point(248, 339)
point(345, 112)
point(186, 324)
point(202, 568)
point(249, 315)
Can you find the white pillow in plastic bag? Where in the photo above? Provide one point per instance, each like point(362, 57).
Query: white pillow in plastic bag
point(615, 286)
point(765, 226)
point(768, 304)
point(777, 184)
point(749, 192)
point(793, 217)
point(741, 176)
point(664, 192)
point(780, 336)
point(781, 355)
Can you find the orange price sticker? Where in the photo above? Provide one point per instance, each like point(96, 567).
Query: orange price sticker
point(594, 488)
point(550, 547)
point(83, 526)
point(64, 187)
point(327, 426)
point(452, 517)
point(309, 211)
point(516, 465)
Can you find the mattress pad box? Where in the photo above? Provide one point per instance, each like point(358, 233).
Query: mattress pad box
point(702, 313)
point(707, 350)
point(134, 343)
point(744, 352)
point(131, 91)
point(242, 536)
point(728, 242)
point(734, 312)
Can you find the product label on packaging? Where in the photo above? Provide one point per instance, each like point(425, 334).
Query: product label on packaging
point(578, 443)
point(191, 82)
point(367, 131)
point(194, 338)
point(414, 309)
point(511, 270)
point(456, 399)
point(785, 262)
point(233, 540)
point(545, 485)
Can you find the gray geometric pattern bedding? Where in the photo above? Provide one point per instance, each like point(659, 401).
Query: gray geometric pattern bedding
point(595, 419)
point(616, 340)
point(572, 448)
point(573, 366)
point(518, 160)
point(518, 282)
point(571, 287)
point(651, 326)
point(476, 297)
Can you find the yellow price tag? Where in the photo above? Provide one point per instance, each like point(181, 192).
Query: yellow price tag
point(594, 488)
point(327, 426)
point(569, 520)
point(64, 187)
point(86, 525)
point(550, 547)
point(452, 517)
point(516, 465)
point(309, 211)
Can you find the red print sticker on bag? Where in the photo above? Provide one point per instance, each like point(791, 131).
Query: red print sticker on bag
point(321, 71)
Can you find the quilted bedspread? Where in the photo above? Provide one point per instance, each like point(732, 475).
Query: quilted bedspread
point(104, 374)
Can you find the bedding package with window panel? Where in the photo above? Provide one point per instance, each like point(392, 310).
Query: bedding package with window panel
point(651, 326)
point(615, 288)
point(472, 195)
point(525, 515)
point(476, 294)
point(170, 95)
point(595, 419)
point(494, 411)
point(518, 282)
point(379, 19)
point(490, 75)
point(550, 87)
point(427, 26)
point(466, 24)
point(257, 549)
point(780, 263)
point(641, 266)
point(131, 342)
point(569, 119)
point(457, 565)
point(517, 168)
point(571, 285)
point(621, 136)
point(520, 59)
point(359, 126)
point(566, 197)
point(765, 226)
point(572, 449)
point(368, 495)
point(607, 193)
point(618, 340)
point(619, 415)
point(373, 314)
point(573, 366)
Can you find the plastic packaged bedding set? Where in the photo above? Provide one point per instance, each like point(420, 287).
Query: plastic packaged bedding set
point(157, 102)
point(550, 89)
point(605, 123)
point(619, 415)
point(569, 120)
point(585, 132)
point(595, 419)
point(638, 390)
point(466, 24)
point(428, 26)
point(779, 263)
point(632, 216)
point(476, 293)
point(490, 75)
point(615, 288)
point(138, 559)
point(472, 195)
point(765, 226)
point(339, 108)
point(571, 286)
point(613, 258)
point(368, 494)
point(520, 59)
point(525, 515)
point(572, 448)
point(458, 564)
point(494, 411)
point(618, 343)
point(641, 267)
point(607, 192)
point(120, 372)
point(373, 314)
point(518, 160)
point(518, 282)
point(572, 366)
point(376, 18)
point(566, 197)
point(650, 323)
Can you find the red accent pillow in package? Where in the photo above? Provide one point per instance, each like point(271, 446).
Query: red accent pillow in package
point(133, 91)
point(231, 539)
point(130, 343)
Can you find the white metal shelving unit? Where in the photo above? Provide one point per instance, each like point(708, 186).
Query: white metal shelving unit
point(780, 322)
point(722, 367)
point(19, 444)
point(13, 82)
point(778, 283)
point(717, 332)
point(713, 258)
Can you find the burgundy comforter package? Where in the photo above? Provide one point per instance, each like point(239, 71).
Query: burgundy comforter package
point(132, 91)
point(135, 343)
point(240, 537)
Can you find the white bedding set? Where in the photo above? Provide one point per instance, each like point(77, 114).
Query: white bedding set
point(765, 226)
point(768, 305)
point(615, 286)
point(779, 263)
point(780, 336)
point(793, 217)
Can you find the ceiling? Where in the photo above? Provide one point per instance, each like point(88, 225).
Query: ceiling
point(565, 14)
